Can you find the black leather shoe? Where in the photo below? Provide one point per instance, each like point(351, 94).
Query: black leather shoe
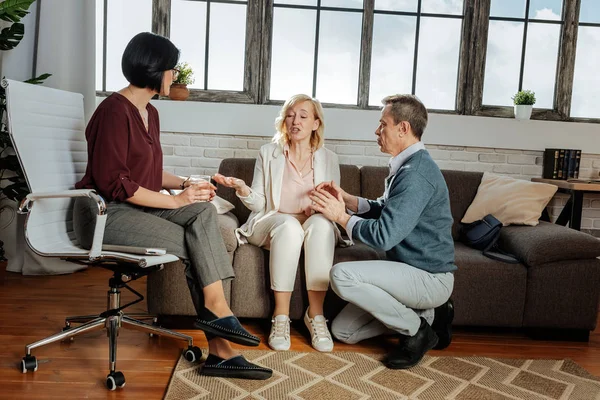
point(234, 367)
point(228, 328)
point(442, 324)
point(412, 349)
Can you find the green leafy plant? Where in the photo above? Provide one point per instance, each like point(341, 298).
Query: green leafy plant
point(13, 11)
point(186, 74)
point(12, 179)
point(524, 97)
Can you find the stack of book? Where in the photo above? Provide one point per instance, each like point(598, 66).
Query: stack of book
point(561, 164)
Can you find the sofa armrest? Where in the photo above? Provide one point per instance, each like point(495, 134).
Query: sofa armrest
point(228, 223)
point(547, 242)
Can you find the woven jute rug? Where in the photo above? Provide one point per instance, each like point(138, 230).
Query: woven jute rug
point(350, 376)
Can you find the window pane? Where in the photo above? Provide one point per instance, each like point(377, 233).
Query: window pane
point(297, 2)
point(590, 11)
point(442, 6)
point(226, 46)
point(586, 97)
point(292, 59)
point(396, 5)
point(99, 42)
point(437, 67)
point(120, 29)
point(339, 57)
point(545, 9)
point(508, 8)
point(343, 3)
point(541, 55)
point(188, 33)
point(503, 62)
point(393, 55)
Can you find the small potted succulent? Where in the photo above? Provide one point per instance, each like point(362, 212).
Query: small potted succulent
point(179, 89)
point(524, 101)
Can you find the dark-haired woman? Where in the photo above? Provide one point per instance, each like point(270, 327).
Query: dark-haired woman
point(125, 167)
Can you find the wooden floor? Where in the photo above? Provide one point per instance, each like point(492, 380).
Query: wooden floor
point(34, 307)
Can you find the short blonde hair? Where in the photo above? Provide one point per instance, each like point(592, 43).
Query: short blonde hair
point(281, 134)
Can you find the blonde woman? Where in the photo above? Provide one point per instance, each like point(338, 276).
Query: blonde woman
point(286, 171)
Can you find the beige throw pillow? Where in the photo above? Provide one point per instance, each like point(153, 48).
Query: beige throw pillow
point(510, 200)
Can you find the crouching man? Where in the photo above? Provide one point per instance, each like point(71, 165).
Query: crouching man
point(409, 293)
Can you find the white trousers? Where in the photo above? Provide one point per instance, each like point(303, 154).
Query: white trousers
point(284, 235)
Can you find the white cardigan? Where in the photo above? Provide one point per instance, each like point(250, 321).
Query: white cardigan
point(265, 195)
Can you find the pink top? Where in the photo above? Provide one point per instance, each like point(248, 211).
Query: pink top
point(297, 183)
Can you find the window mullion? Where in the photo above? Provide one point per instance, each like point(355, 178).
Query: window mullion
point(253, 42)
point(463, 84)
point(416, 56)
point(566, 58)
point(316, 57)
point(523, 49)
point(477, 53)
point(266, 49)
point(161, 17)
point(364, 74)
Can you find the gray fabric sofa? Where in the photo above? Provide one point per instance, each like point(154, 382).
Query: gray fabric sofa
point(557, 285)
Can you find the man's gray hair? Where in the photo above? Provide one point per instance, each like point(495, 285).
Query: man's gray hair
point(408, 107)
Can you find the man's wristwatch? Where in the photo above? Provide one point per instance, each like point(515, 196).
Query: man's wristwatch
point(182, 186)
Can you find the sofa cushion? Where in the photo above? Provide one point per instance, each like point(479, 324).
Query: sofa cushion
point(512, 201)
point(462, 188)
point(372, 181)
point(228, 224)
point(487, 292)
point(547, 242)
point(242, 168)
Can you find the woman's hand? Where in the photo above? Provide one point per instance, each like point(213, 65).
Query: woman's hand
point(203, 191)
point(231, 182)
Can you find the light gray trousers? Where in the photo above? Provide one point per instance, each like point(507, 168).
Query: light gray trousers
point(191, 233)
point(384, 297)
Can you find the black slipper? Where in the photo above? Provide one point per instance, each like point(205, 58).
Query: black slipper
point(234, 367)
point(227, 328)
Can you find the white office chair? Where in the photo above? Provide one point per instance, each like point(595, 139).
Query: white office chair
point(47, 131)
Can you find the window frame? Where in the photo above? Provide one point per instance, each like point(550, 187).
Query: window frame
point(471, 59)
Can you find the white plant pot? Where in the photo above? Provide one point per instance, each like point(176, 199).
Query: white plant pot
point(523, 111)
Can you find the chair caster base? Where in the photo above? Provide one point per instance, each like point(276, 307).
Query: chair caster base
point(29, 363)
point(193, 354)
point(115, 380)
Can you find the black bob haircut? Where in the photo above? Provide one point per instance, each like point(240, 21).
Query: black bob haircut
point(146, 58)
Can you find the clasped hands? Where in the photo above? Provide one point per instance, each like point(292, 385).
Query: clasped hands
point(328, 199)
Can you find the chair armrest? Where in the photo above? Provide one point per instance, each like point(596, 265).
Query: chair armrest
point(228, 223)
point(65, 194)
point(547, 242)
point(96, 249)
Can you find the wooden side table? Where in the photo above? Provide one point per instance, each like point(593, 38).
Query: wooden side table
point(571, 212)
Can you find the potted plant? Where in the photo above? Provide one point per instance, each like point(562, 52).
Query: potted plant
point(524, 101)
point(179, 90)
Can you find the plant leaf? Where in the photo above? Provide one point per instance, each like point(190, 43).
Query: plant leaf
point(11, 37)
point(14, 10)
point(39, 79)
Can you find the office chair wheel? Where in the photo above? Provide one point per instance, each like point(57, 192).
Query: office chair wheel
point(193, 354)
point(115, 380)
point(70, 339)
point(154, 323)
point(29, 363)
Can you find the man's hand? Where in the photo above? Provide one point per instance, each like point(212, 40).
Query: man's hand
point(332, 207)
point(332, 187)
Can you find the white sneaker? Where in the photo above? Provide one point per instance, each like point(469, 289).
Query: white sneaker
point(320, 336)
point(279, 339)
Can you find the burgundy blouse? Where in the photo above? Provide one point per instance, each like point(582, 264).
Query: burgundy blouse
point(122, 155)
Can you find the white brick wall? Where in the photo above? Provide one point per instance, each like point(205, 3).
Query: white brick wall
point(186, 154)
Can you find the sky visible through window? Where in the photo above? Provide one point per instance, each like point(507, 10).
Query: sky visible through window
point(393, 50)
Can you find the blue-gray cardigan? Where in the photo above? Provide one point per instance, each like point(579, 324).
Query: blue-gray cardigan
point(414, 224)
